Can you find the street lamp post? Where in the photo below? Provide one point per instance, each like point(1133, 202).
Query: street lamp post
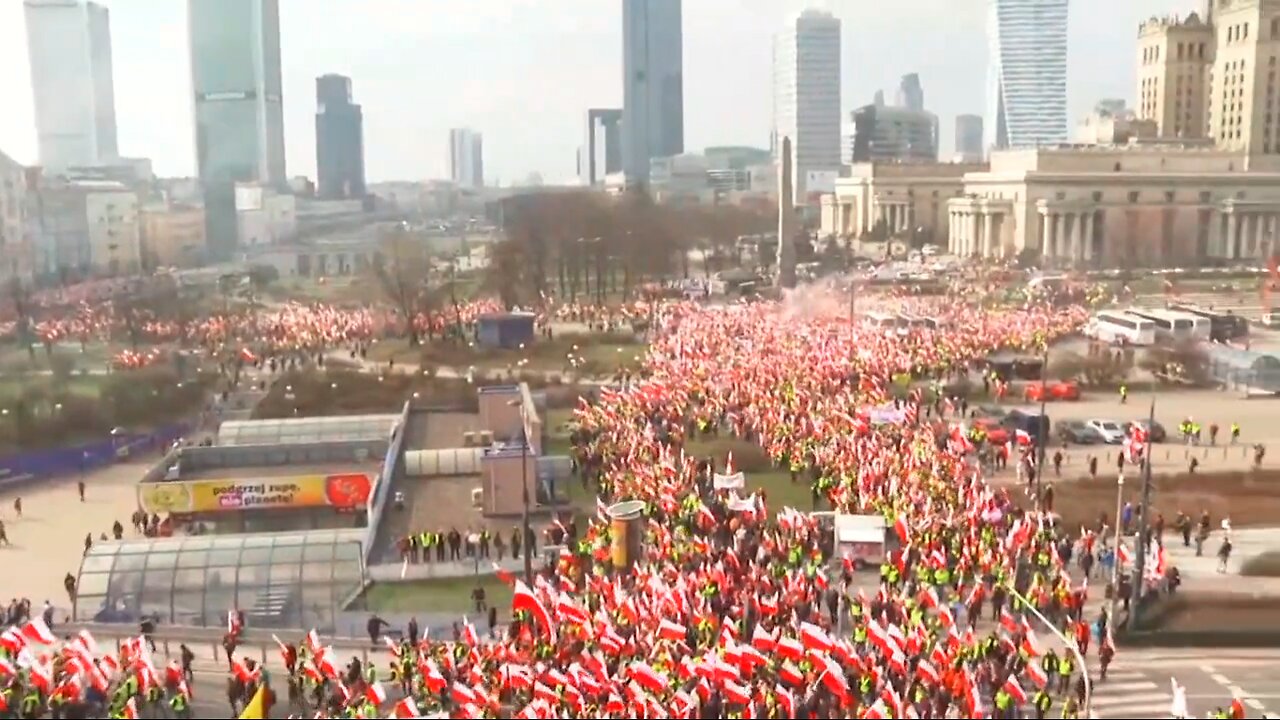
point(524, 492)
point(1042, 434)
point(1140, 538)
point(1115, 560)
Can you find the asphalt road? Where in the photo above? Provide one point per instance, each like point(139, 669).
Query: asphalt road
point(1138, 682)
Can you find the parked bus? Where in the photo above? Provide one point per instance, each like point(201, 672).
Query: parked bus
point(1173, 325)
point(1223, 327)
point(1116, 326)
point(883, 321)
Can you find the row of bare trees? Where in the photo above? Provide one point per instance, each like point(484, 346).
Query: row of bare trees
point(586, 245)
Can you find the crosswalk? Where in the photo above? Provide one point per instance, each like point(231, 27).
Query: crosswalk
point(1130, 694)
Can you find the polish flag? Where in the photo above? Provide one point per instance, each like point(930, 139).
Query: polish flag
point(929, 597)
point(506, 576)
point(790, 674)
point(524, 600)
point(1029, 644)
point(814, 637)
point(786, 701)
point(406, 708)
point(900, 527)
point(1037, 675)
point(944, 614)
point(762, 640)
point(647, 677)
point(242, 671)
point(312, 641)
point(790, 648)
point(12, 640)
point(432, 676)
point(1022, 436)
point(668, 630)
point(1006, 619)
point(735, 693)
point(926, 672)
point(1012, 687)
point(35, 631)
point(375, 694)
point(462, 695)
point(130, 709)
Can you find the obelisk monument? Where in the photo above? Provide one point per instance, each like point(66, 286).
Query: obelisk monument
point(786, 219)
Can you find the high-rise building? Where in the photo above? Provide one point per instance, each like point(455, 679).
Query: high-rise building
point(887, 134)
point(806, 93)
point(235, 75)
point(911, 93)
point(339, 140)
point(1244, 102)
point(969, 138)
point(466, 158)
point(1027, 73)
point(601, 152)
point(69, 43)
point(1174, 58)
point(652, 84)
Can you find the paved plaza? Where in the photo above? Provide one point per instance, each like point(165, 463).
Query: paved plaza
point(1139, 683)
point(48, 540)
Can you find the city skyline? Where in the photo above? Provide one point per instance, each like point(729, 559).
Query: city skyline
point(561, 74)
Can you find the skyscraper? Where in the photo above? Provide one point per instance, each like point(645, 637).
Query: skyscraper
point(235, 75)
point(339, 140)
point(652, 84)
point(69, 43)
point(602, 150)
point(969, 138)
point(1027, 73)
point(806, 93)
point(911, 93)
point(466, 158)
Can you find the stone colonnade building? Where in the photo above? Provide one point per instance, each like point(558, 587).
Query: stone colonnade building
point(897, 196)
point(1093, 207)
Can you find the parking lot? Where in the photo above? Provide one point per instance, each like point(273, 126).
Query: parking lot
point(1257, 418)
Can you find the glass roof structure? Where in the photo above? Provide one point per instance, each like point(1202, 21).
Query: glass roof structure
point(307, 430)
point(279, 580)
point(1234, 366)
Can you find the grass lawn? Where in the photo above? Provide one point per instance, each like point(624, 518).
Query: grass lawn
point(557, 425)
point(445, 595)
point(89, 386)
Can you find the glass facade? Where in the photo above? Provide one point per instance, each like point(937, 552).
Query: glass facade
point(284, 580)
point(288, 431)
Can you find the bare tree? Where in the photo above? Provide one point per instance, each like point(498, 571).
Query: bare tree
point(403, 269)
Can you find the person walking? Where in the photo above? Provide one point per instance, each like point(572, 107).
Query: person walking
point(1224, 554)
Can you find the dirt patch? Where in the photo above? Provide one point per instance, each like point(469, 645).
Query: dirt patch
point(1247, 497)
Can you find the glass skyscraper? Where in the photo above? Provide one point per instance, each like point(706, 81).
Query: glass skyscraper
point(1027, 73)
point(339, 140)
point(69, 43)
point(235, 75)
point(652, 84)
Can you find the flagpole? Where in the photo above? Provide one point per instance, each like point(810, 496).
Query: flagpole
point(1115, 557)
point(1140, 539)
point(1070, 645)
point(1042, 434)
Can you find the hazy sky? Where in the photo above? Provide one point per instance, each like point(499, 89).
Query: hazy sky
point(524, 71)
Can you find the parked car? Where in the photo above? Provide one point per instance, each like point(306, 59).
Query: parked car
point(1062, 390)
point(1156, 433)
point(1078, 432)
point(1031, 423)
point(1112, 432)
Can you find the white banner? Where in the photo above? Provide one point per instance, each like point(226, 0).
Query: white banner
point(729, 482)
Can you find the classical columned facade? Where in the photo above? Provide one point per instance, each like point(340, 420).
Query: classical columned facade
point(1242, 229)
point(979, 226)
point(1069, 233)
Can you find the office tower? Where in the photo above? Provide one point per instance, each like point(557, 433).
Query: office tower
point(969, 138)
point(339, 140)
point(466, 158)
point(882, 133)
point(69, 44)
point(1027, 73)
point(1243, 106)
point(601, 152)
point(806, 93)
point(235, 76)
point(1174, 57)
point(652, 84)
point(910, 93)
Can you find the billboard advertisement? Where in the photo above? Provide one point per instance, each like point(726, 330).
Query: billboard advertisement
point(343, 491)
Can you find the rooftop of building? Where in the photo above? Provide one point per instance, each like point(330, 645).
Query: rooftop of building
point(268, 460)
point(1164, 23)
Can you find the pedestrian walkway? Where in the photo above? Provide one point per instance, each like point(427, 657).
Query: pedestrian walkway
point(1128, 694)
